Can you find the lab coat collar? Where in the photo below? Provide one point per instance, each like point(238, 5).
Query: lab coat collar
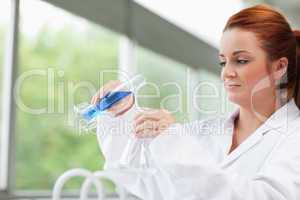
point(280, 121)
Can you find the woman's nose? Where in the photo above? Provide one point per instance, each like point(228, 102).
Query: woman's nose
point(228, 72)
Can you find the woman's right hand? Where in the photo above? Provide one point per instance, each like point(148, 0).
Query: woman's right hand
point(152, 122)
point(119, 108)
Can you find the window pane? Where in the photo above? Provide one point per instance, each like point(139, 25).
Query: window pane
point(178, 88)
point(167, 82)
point(61, 58)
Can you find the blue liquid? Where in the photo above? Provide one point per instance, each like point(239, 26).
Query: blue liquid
point(105, 103)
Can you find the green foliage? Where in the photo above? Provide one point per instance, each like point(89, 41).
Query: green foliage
point(46, 145)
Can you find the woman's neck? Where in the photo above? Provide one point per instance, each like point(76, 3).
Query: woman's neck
point(253, 116)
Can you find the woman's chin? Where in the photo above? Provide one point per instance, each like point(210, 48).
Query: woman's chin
point(237, 99)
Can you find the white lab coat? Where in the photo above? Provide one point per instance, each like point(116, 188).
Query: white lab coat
point(191, 161)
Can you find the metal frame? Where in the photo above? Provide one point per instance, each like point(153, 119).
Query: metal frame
point(147, 29)
point(127, 56)
point(7, 142)
point(128, 48)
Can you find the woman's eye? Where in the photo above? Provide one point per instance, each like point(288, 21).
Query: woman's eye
point(242, 61)
point(222, 64)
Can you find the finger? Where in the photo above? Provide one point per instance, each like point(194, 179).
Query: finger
point(143, 119)
point(97, 96)
point(138, 116)
point(147, 133)
point(122, 106)
point(153, 114)
point(123, 103)
point(146, 111)
point(150, 124)
point(94, 99)
point(104, 90)
point(107, 88)
point(163, 125)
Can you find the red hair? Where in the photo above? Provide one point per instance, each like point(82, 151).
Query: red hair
point(277, 39)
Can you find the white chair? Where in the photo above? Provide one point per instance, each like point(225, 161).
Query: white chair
point(91, 179)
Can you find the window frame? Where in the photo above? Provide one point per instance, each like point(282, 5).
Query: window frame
point(7, 145)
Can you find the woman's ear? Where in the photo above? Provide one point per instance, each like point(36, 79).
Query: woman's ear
point(280, 68)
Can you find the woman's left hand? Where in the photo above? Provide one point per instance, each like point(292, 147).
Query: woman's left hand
point(152, 122)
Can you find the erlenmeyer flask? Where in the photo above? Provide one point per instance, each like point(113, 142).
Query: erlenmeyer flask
point(86, 114)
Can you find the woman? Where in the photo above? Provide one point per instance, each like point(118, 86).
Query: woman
point(252, 154)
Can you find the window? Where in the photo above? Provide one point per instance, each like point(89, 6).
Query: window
point(61, 60)
point(187, 93)
point(167, 84)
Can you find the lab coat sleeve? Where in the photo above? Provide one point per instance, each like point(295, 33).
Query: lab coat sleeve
point(113, 134)
point(279, 179)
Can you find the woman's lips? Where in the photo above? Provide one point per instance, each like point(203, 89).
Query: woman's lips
point(232, 85)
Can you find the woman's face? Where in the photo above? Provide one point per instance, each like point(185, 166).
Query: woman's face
point(244, 66)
